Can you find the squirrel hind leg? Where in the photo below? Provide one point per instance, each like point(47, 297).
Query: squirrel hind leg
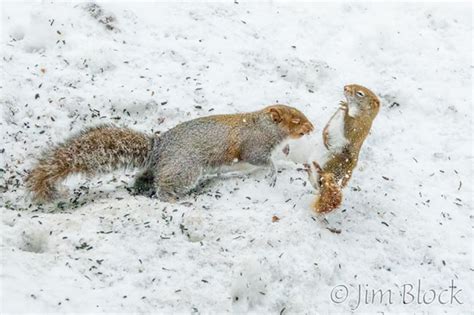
point(172, 186)
point(144, 183)
point(330, 195)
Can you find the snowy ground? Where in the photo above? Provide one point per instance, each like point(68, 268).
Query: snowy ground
point(407, 213)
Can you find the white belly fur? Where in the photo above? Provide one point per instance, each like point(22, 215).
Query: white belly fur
point(335, 132)
point(336, 142)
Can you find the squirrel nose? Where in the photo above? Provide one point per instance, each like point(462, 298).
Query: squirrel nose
point(308, 128)
point(348, 91)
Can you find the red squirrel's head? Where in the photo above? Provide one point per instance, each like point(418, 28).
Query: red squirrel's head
point(361, 100)
point(293, 122)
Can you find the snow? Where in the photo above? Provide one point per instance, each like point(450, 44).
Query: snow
point(407, 211)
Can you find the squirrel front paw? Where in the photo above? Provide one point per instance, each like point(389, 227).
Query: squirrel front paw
point(272, 175)
point(272, 178)
point(272, 181)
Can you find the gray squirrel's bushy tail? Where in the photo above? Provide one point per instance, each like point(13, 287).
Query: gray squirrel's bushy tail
point(95, 150)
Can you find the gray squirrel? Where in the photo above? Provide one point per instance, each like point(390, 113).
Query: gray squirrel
point(173, 163)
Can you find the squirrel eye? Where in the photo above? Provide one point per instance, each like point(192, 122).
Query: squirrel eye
point(360, 94)
point(295, 121)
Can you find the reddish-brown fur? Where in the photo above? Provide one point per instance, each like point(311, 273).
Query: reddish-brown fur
point(330, 194)
point(337, 170)
point(291, 120)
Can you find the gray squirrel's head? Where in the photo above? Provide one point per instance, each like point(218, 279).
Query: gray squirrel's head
point(291, 120)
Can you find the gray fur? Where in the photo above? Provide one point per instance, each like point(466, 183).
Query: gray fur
point(184, 153)
point(173, 163)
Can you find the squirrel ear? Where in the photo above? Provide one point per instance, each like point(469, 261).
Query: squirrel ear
point(275, 114)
